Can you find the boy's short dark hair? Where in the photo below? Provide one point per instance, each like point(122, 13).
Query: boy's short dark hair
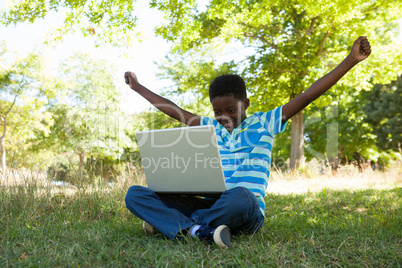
point(226, 85)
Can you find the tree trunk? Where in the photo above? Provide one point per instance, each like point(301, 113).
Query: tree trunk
point(80, 170)
point(4, 124)
point(2, 156)
point(297, 142)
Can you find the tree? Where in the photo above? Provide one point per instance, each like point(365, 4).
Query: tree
point(384, 114)
point(26, 120)
point(22, 92)
point(293, 44)
point(108, 21)
point(86, 112)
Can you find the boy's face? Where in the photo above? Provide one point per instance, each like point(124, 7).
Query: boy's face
point(230, 111)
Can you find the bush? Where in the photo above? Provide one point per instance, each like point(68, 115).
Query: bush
point(66, 167)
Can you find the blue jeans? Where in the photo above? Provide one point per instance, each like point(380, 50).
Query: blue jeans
point(170, 214)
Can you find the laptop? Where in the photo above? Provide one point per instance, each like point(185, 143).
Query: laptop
point(182, 160)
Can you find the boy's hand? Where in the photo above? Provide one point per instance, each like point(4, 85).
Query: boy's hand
point(131, 79)
point(361, 49)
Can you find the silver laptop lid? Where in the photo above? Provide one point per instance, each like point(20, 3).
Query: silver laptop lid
point(182, 160)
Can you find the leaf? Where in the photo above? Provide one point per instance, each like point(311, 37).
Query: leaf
point(113, 20)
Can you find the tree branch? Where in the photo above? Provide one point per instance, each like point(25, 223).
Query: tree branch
point(9, 109)
point(309, 31)
point(284, 71)
point(4, 129)
point(311, 28)
point(322, 42)
point(262, 39)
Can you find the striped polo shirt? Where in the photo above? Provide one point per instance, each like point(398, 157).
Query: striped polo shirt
point(246, 153)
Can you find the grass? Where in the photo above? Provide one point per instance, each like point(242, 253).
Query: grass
point(315, 225)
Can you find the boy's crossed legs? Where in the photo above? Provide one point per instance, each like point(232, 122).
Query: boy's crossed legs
point(174, 215)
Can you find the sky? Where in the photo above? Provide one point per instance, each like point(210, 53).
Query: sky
point(141, 58)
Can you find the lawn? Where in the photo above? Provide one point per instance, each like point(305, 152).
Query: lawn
point(324, 221)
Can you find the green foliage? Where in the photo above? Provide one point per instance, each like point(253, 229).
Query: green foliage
point(24, 123)
point(88, 79)
point(294, 42)
point(86, 113)
point(339, 130)
point(25, 79)
point(194, 70)
point(24, 90)
point(384, 114)
point(108, 21)
point(154, 119)
point(282, 48)
point(146, 120)
point(345, 129)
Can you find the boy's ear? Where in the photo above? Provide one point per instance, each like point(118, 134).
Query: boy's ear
point(246, 103)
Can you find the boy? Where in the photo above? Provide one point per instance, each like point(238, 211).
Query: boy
point(245, 145)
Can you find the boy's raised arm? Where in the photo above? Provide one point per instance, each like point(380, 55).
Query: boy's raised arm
point(360, 51)
point(162, 104)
